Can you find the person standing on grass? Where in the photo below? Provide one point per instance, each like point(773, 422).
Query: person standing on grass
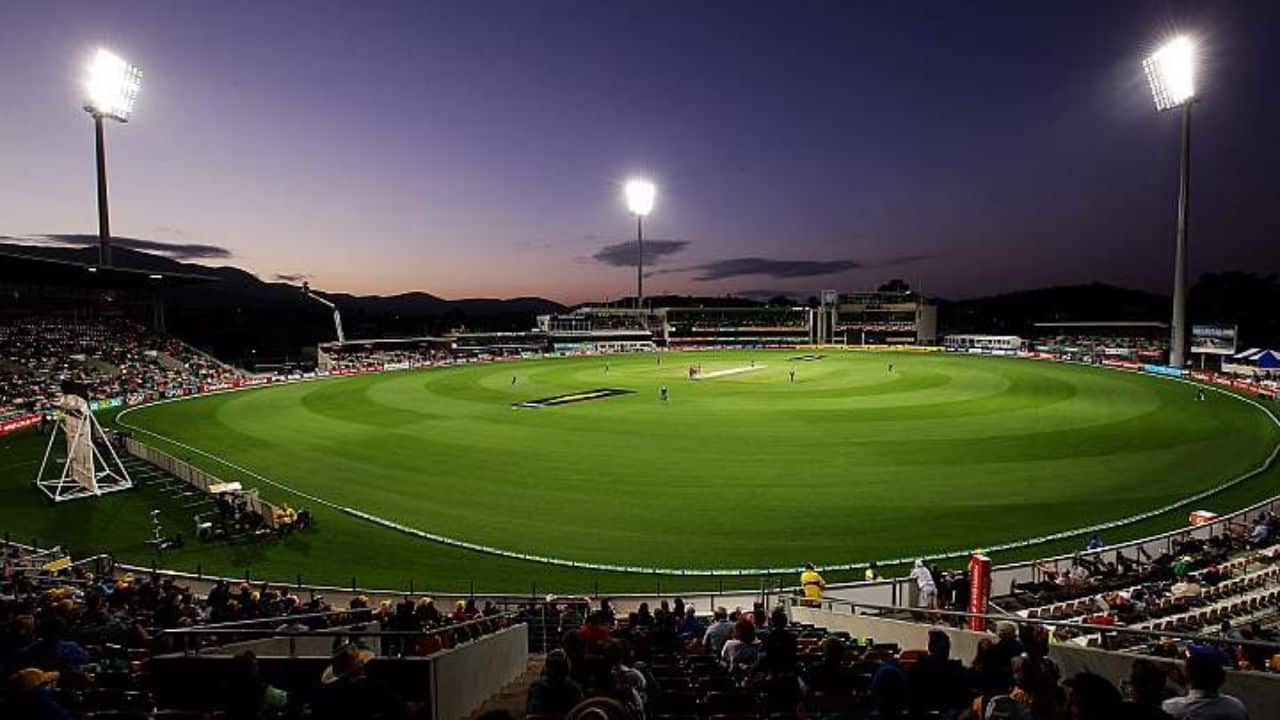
point(662, 392)
point(792, 373)
point(513, 379)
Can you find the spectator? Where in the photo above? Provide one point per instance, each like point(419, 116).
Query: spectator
point(644, 618)
point(595, 633)
point(718, 632)
point(555, 692)
point(812, 584)
point(779, 646)
point(1204, 674)
point(1007, 647)
point(247, 697)
point(1146, 692)
point(346, 691)
point(740, 651)
point(889, 689)
point(830, 675)
point(928, 591)
point(935, 681)
point(691, 626)
point(30, 698)
point(1035, 687)
point(627, 684)
point(1091, 697)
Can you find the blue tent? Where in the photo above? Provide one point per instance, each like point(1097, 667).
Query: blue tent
point(1260, 358)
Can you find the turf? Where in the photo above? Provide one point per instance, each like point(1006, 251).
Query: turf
point(849, 462)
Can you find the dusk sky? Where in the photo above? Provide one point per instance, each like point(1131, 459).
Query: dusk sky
point(478, 148)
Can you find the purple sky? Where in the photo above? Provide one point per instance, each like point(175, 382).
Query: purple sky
point(478, 148)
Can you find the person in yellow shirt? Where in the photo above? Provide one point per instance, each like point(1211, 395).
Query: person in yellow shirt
point(812, 584)
point(872, 573)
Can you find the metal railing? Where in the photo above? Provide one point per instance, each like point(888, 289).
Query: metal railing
point(191, 637)
point(961, 622)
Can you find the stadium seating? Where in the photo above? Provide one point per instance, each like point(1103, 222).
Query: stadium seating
point(100, 631)
point(114, 358)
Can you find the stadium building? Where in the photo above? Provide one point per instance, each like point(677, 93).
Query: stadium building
point(1136, 341)
point(735, 326)
point(597, 329)
point(893, 314)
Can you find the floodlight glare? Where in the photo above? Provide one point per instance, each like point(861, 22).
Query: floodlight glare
point(1171, 73)
point(640, 194)
point(112, 86)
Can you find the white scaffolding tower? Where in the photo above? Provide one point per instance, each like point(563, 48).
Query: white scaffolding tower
point(91, 467)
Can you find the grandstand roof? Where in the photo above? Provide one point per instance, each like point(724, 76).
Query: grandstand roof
point(1105, 323)
point(386, 341)
point(18, 266)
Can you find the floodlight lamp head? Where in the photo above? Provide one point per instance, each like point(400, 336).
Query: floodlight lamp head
point(1171, 73)
point(640, 195)
point(112, 86)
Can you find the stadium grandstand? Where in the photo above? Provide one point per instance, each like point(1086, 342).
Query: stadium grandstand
point(735, 326)
point(383, 354)
point(1117, 340)
point(100, 328)
point(893, 314)
point(1116, 631)
point(598, 329)
point(983, 344)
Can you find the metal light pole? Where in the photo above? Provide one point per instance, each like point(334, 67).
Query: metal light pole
point(1178, 329)
point(640, 262)
point(104, 224)
point(112, 89)
point(1171, 74)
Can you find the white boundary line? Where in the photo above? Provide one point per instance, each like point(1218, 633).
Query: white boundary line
point(728, 572)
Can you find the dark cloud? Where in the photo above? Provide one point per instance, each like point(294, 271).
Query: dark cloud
point(624, 254)
point(291, 277)
point(764, 294)
point(175, 251)
point(777, 269)
point(902, 260)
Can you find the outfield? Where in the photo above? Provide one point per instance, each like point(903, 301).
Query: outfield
point(741, 469)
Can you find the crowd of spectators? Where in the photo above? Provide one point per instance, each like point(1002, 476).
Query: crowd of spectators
point(668, 662)
point(111, 357)
point(77, 643)
point(1228, 584)
point(1132, 347)
point(363, 358)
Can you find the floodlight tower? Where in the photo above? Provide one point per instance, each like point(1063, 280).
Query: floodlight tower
point(1171, 73)
point(112, 88)
point(640, 194)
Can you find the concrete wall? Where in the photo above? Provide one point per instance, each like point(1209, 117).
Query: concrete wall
point(465, 676)
point(908, 635)
point(1256, 690)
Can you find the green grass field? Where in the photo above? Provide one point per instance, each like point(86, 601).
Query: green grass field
point(850, 462)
